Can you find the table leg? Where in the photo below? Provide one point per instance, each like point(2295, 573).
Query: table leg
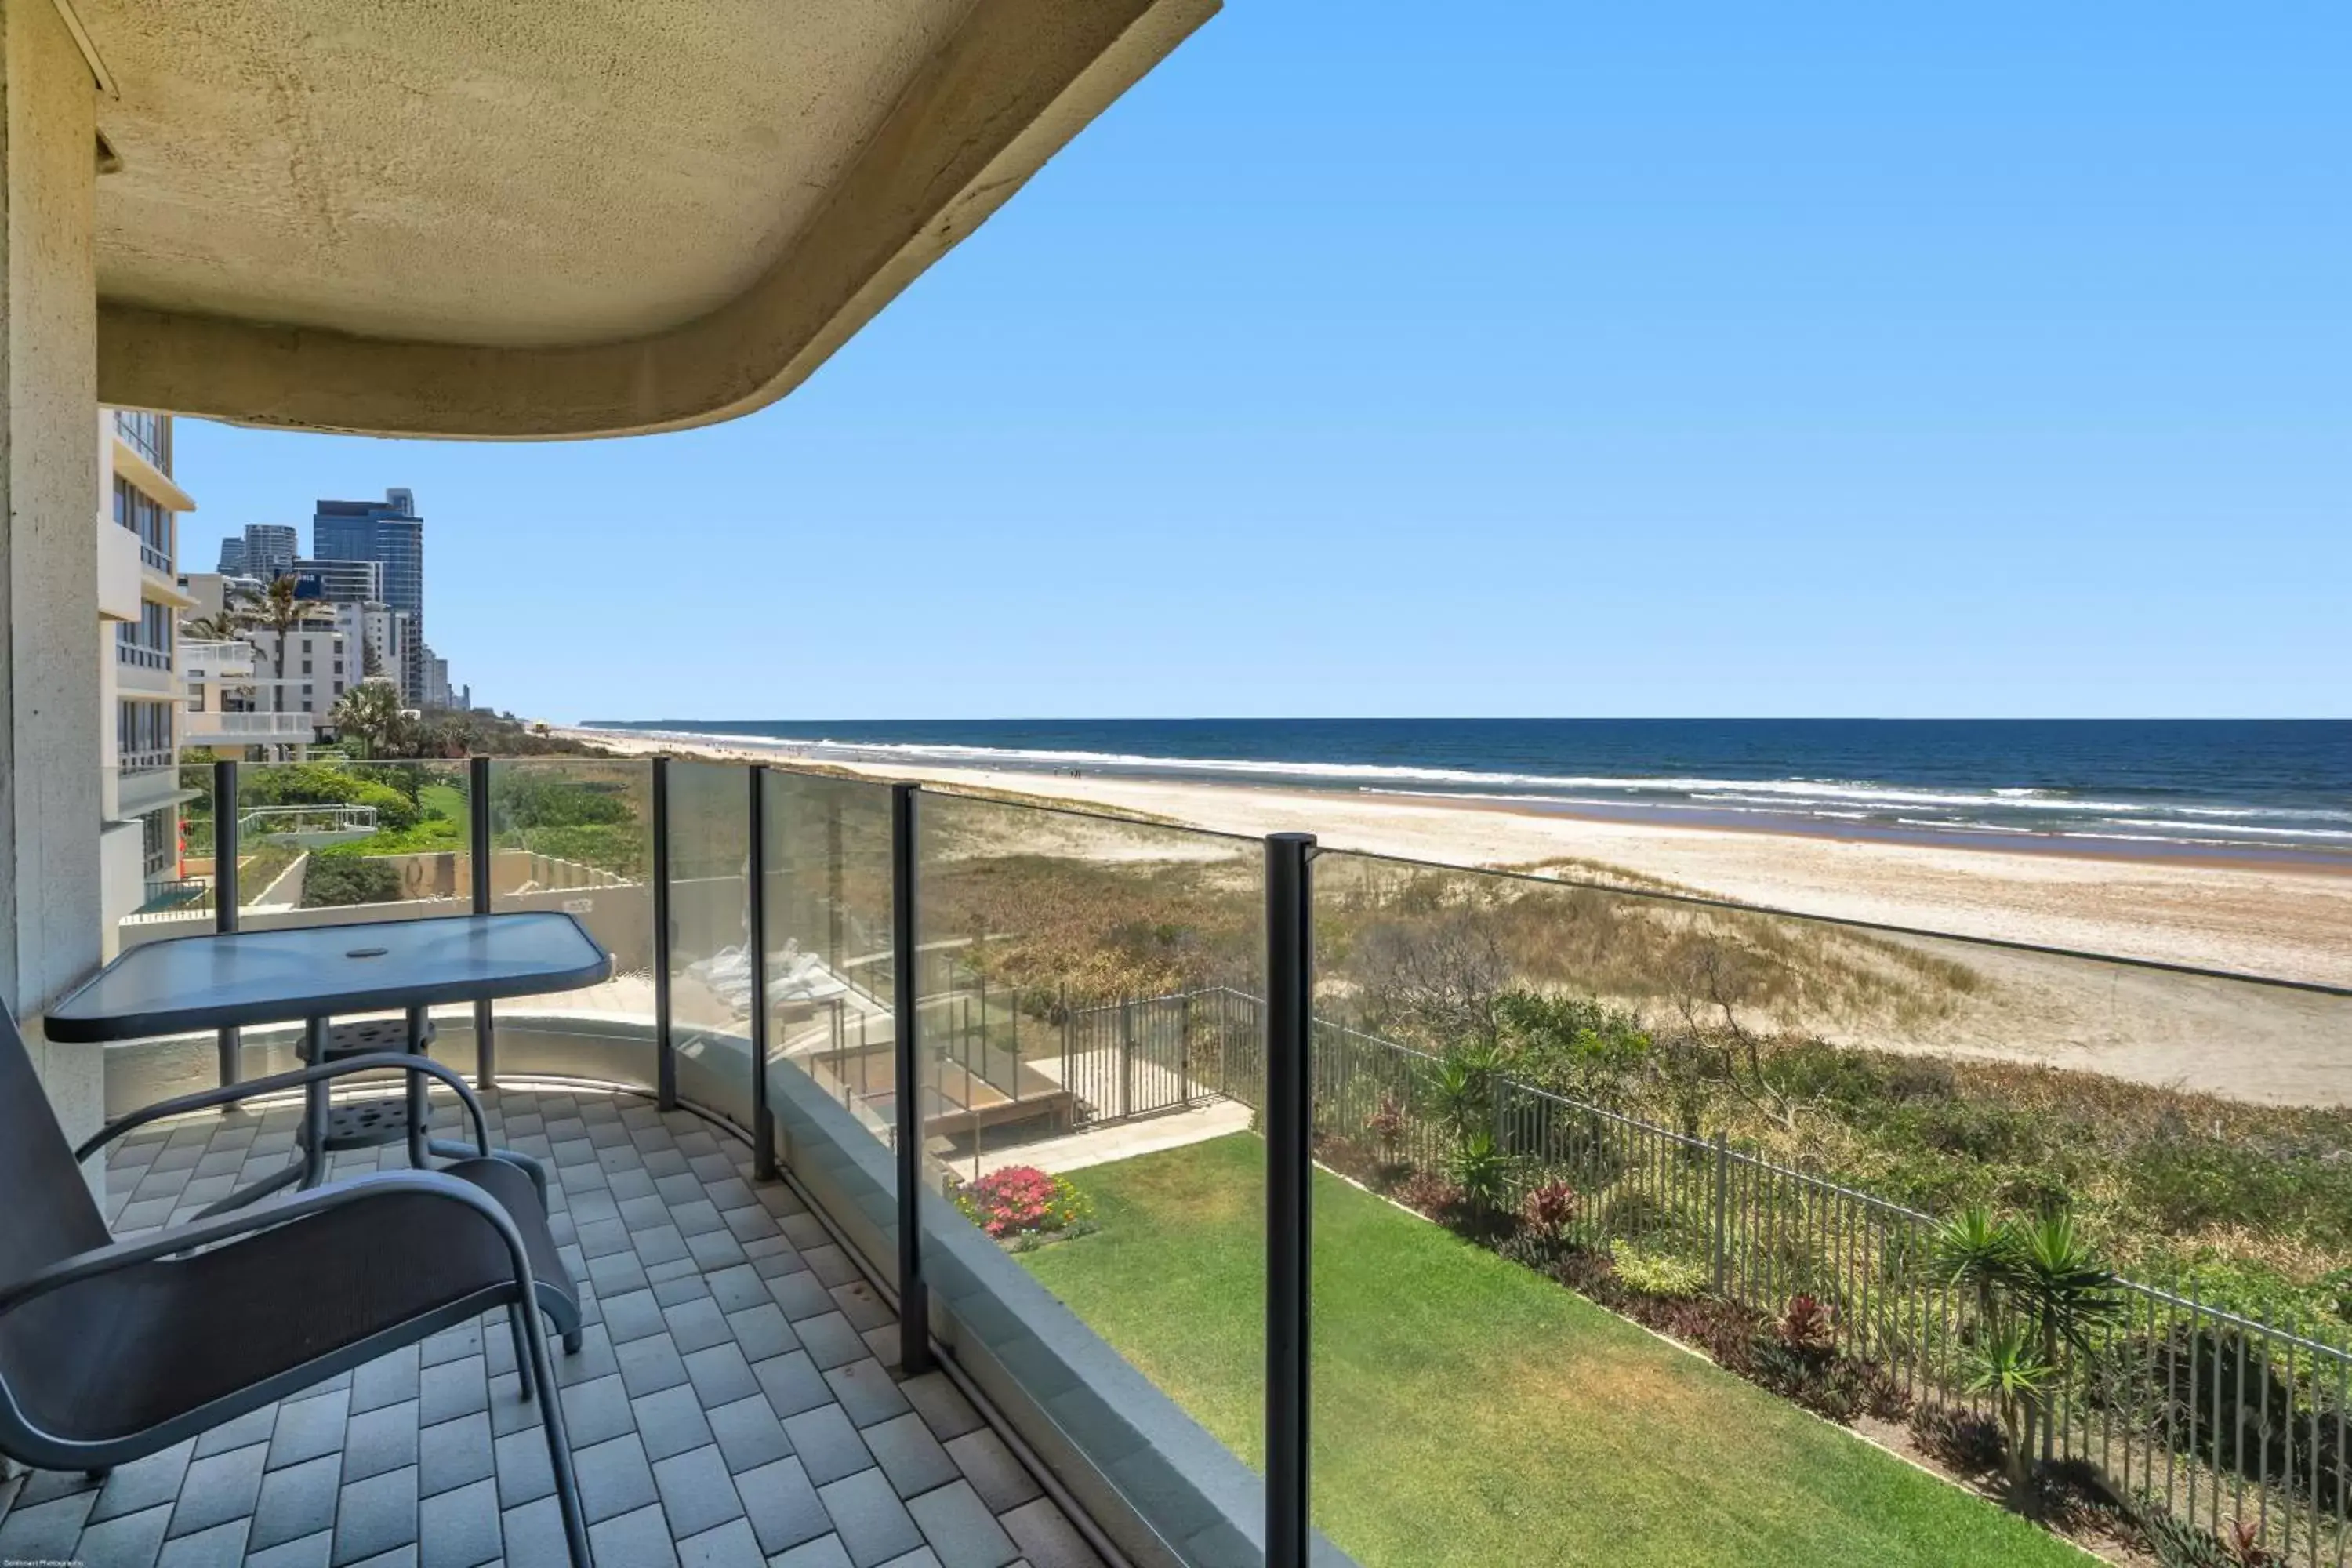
point(419, 1140)
point(314, 1105)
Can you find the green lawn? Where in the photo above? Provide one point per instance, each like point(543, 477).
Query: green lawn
point(1468, 1411)
point(443, 800)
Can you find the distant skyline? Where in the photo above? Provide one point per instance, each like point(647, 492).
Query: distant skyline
point(1681, 361)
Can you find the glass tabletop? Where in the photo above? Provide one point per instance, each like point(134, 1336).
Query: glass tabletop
point(279, 977)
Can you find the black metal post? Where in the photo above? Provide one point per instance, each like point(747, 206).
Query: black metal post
point(664, 1047)
point(914, 1295)
point(226, 893)
point(478, 822)
point(836, 874)
point(1289, 1166)
point(763, 1128)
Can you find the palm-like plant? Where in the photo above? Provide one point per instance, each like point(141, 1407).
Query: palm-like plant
point(1973, 1251)
point(2062, 1283)
point(280, 612)
point(1461, 1089)
point(372, 711)
point(2039, 1289)
point(2007, 1365)
point(223, 625)
point(1483, 1172)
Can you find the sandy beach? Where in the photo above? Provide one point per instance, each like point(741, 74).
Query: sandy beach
point(2287, 922)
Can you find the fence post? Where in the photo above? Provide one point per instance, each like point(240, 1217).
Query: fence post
point(477, 837)
point(1126, 1056)
point(1224, 1050)
point(1068, 1086)
point(665, 1045)
point(755, 930)
point(226, 895)
point(1289, 1154)
point(914, 1296)
point(1720, 1250)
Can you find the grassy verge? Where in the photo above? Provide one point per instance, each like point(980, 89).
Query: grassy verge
point(1470, 1412)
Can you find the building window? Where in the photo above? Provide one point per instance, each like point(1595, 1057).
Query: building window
point(144, 432)
point(160, 841)
point(149, 643)
point(137, 511)
point(305, 667)
point(142, 735)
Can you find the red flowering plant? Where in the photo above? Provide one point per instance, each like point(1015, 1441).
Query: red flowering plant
point(1021, 1200)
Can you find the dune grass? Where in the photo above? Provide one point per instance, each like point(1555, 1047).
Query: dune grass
point(1467, 1412)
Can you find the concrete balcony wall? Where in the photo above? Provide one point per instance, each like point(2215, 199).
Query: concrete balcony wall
point(119, 572)
point(122, 876)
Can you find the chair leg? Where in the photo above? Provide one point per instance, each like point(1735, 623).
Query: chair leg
point(559, 1447)
point(522, 1348)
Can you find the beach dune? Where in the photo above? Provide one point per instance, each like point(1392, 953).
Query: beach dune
point(2285, 921)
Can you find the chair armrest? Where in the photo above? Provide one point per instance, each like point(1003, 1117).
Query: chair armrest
point(229, 1093)
point(121, 1255)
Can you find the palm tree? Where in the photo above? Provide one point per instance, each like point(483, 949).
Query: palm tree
point(223, 625)
point(372, 711)
point(1974, 1252)
point(2039, 1288)
point(280, 612)
point(2006, 1364)
point(2061, 1286)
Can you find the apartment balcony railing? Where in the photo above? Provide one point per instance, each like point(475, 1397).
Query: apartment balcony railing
point(206, 659)
point(156, 560)
point(144, 432)
point(140, 656)
point(209, 726)
point(891, 993)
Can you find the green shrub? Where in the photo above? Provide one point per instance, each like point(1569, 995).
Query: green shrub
point(1656, 1273)
point(618, 849)
point(333, 880)
point(314, 783)
point(435, 835)
point(528, 798)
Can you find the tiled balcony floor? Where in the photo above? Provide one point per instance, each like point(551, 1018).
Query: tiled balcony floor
point(733, 1404)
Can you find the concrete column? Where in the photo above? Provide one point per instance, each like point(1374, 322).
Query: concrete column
point(49, 697)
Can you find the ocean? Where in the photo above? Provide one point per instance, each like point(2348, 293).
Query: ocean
point(2202, 788)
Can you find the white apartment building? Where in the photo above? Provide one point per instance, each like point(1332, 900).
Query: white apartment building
point(379, 630)
point(139, 604)
point(230, 703)
point(321, 663)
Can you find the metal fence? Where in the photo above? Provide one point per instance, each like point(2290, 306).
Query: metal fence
point(2221, 1418)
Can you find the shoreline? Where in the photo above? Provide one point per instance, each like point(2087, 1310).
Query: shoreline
point(2152, 852)
point(2256, 917)
point(2213, 1036)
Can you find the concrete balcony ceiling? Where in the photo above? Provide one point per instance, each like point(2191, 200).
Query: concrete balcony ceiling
point(526, 219)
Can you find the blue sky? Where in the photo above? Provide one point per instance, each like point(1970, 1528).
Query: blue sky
point(1679, 359)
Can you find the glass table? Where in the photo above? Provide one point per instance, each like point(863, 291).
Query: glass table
point(311, 974)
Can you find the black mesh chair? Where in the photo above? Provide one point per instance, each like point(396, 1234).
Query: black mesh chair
point(112, 1350)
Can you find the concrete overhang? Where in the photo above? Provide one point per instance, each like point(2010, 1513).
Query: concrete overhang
point(541, 219)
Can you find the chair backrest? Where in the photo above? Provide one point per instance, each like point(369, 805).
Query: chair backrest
point(47, 1212)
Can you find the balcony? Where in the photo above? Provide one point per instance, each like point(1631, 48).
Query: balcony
point(207, 661)
point(145, 782)
point(1094, 998)
point(211, 727)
